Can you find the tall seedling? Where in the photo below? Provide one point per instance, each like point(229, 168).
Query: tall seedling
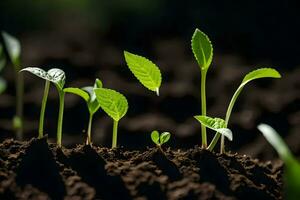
point(13, 48)
point(88, 94)
point(115, 105)
point(56, 76)
point(203, 52)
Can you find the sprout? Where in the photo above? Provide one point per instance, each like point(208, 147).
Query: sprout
point(203, 52)
point(88, 94)
point(292, 166)
point(56, 76)
point(144, 70)
point(159, 140)
point(115, 105)
point(13, 49)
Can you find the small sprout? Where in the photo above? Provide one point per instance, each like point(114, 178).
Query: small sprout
point(160, 139)
point(203, 51)
point(292, 166)
point(115, 105)
point(144, 70)
point(56, 76)
point(13, 48)
point(88, 94)
point(216, 124)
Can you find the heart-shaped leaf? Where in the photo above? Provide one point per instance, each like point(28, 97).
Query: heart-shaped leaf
point(144, 70)
point(13, 48)
point(216, 124)
point(164, 137)
point(155, 137)
point(112, 102)
point(202, 49)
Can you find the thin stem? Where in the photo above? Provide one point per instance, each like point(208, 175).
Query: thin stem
point(60, 117)
point(18, 125)
point(115, 134)
point(203, 107)
point(43, 108)
point(89, 136)
point(214, 141)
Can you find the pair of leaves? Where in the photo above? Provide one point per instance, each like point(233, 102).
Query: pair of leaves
point(112, 102)
point(13, 48)
point(88, 94)
point(202, 49)
point(160, 139)
point(54, 75)
point(144, 70)
point(216, 124)
point(292, 166)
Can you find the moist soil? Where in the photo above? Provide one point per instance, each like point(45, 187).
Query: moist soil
point(39, 170)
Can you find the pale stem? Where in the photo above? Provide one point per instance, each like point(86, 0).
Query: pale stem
point(89, 135)
point(115, 134)
point(203, 107)
point(43, 108)
point(60, 117)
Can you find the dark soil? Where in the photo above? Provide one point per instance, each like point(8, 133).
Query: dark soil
point(38, 170)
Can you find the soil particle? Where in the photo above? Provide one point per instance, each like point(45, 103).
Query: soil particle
point(38, 170)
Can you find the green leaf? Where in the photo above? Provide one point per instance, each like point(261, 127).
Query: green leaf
point(144, 70)
point(202, 49)
point(216, 124)
point(13, 48)
point(112, 102)
point(292, 166)
point(93, 104)
point(55, 75)
point(164, 137)
point(261, 73)
point(155, 137)
point(2, 85)
point(98, 83)
point(78, 92)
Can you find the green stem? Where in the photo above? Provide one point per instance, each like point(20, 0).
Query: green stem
point(18, 119)
point(203, 107)
point(89, 136)
point(60, 117)
point(43, 108)
point(115, 134)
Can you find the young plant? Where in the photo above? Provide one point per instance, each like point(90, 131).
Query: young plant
point(88, 94)
point(256, 74)
point(144, 70)
point(292, 166)
point(159, 140)
point(13, 49)
point(203, 52)
point(2, 64)
point(56, 76)
point(115, 105)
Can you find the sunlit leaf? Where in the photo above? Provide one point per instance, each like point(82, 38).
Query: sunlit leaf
point(78, 92)
point(164, 137)
point(58, 77)
point(155, 137)
point(261, 73)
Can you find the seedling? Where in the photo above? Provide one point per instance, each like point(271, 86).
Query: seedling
point(115, 105)
point(13, 48)
point(159, 140)
point(292, 166)
point(56, 76)
point(88, 94)
point(144, 70)
point(203, 52)
point(2, 64)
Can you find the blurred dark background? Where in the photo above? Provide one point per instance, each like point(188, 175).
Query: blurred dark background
point(87, 38)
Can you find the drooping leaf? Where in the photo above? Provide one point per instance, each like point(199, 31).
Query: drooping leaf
point(58, 77)
point(78, 92)
point(37, 71)
point(2, 85)
point(216, 124)
point(261, 73)
point(13, 48)
point(164, 137)
point(112, 102)
point(144, 70)
point(2, 58)
point(292, 166)
point(202, 49)
point(155, 137)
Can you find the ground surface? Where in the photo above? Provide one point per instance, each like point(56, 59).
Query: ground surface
point(36, 170)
